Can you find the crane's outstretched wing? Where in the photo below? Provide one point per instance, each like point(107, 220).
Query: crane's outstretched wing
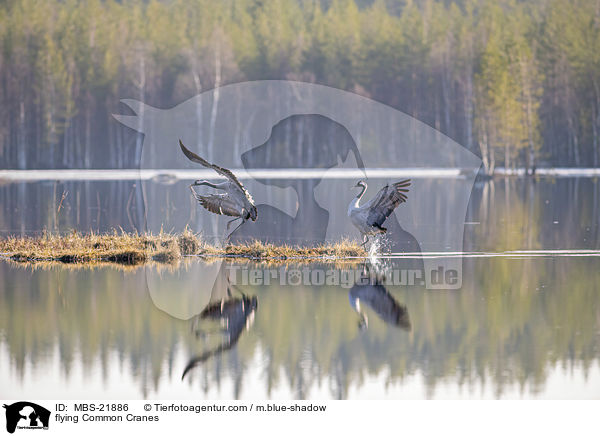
point(223, 171)
point(220, 204)
point(386, 200)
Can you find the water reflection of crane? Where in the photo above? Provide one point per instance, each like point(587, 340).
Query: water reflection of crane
point(371, 292)
point(235, 315)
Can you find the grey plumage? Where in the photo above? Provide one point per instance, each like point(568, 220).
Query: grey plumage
point(369, 217)
point(236, 201)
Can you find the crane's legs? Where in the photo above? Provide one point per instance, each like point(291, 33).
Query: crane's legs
point(225, 239)
point(207, 183)
point(240, 225)
point(230, 221)
point(194, 193)
point(365, 240)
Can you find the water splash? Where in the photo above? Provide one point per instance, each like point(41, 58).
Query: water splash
point(374, 256)
point(374, 249)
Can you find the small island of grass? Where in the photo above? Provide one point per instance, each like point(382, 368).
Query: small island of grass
point(138, 249)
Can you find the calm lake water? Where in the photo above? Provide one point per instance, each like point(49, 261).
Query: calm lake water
point(525, 323)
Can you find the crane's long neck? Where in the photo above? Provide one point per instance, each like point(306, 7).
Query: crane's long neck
point(355, 204)
point(360, 194)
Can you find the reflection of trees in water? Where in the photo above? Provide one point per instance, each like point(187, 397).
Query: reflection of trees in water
point(512, 321)
point(528, 214)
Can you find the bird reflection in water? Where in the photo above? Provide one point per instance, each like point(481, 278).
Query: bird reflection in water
point(234, 314)
point(370, 292)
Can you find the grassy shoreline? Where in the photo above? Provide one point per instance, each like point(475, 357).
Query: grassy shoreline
point(138, 249)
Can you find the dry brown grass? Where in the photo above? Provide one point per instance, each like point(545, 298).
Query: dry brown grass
point(135, 249)
point(260, 250)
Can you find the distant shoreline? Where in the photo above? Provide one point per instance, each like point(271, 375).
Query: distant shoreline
point(173, 175)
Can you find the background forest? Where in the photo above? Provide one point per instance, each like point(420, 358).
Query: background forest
point(518, 82)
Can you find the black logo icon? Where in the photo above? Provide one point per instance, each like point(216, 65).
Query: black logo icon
point(26, 415)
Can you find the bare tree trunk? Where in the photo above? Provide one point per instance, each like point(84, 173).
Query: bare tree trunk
point(527, 87)
point(238, 131)
point(198, 85)
point(215, 103)
point(506, 155)
point(572, 128)
point(22, 157)
point(70, 130)
point(485, 157)
point(469, 107)
point(595, 124)
point(595, 121)
point(88, 133)
point(574, 142)
point(492, 160)
point(576, 149)
point(66, 144)
point(446, 85)
point(140, 115)
point(437, 113)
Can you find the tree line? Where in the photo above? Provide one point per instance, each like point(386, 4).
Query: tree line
point(516, 82)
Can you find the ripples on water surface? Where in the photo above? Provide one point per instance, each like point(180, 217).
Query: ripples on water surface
point(526, 323)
